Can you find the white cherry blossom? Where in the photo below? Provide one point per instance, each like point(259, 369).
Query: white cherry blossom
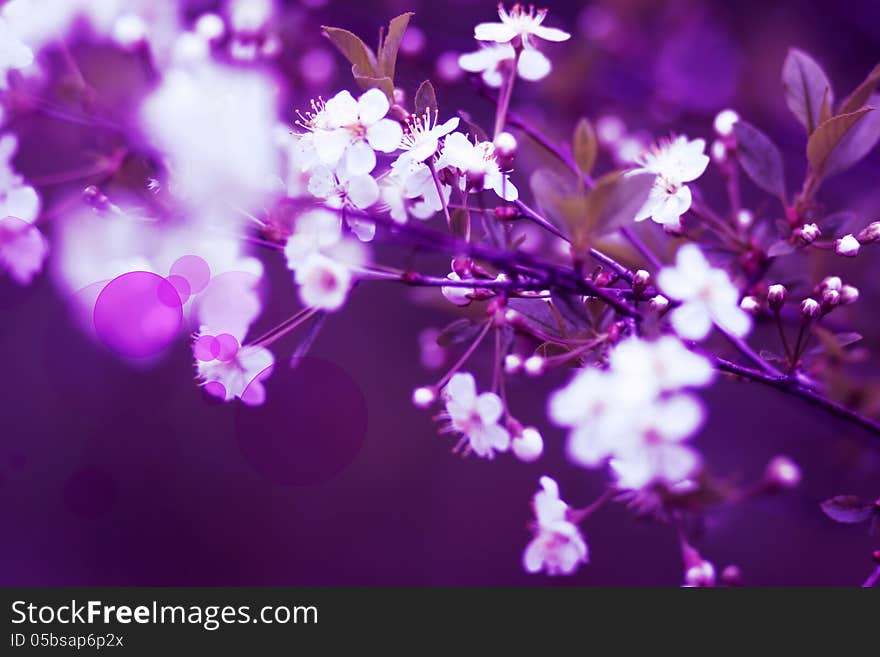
point(476, 416)
point(675, 162)
point(557, 546)
point(238, 376)
point(14, 54)
point(422, 137)
point(491, 59)
point(408, 189)
point(350, 131)
point(521, 23)
point(707, 296)
point(476, 166)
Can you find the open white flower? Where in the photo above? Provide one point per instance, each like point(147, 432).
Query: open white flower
point(340, 187)
point(476, 416)
point(660, 366)
point(557, 546)
point(350, 131)
point(476, 166)
point(675, 162)
point(324, 283)
point(520, 23)
point(422, 137)
point(707, 296)
point(313, 231)
point(409, 189)
point(491, 59)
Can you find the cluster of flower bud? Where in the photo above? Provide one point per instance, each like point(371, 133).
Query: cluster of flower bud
point(726, 142)
point(830, 293)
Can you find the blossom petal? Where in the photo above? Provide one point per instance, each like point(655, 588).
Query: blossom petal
point(342, 109)
point(362, 191)
point(533, 65)
point(489, 407)
point(331, 144)
point(359, 158)
point(550, 33)
point(463, 388)
point(372, 106)
point(498, 32)
point(691, 321)
point(385, 135)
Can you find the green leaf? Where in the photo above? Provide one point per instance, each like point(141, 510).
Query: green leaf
point(584, 145)
point(829, 135)
point(806, 86)
point(426, 99)
point(859, 97)
point(760, 158)
point(857, 143)
point(554, 195)
point(847, 508)
point(391, 44)
point(616, 199)
point(385, 84)
point(361, 57)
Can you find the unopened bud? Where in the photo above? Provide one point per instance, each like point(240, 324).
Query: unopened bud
point(831, 283)
point(399, 96)
point(808, 233)
point(847, 246)
point(732, 576)
point(783, 473)
point(658, 303)
point(534, 365)
point(718, 151)
point(745, 218)
point(423, 397)
point(640, 281)
point(776, 296)
point(750, 304)
point(724, 122)
point(810, 308)
point(505, 145)
point(870, 233)
point(528, 446)
point(506, 212)
point(849, 294)
point(703, 574)
point(830, 298)
point(512, 364)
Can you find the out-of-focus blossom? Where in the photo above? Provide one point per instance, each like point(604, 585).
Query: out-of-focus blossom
point(634, 412)
point(350, 131)
point(847, 246)
point(491, 60)
point(476, 416)
point(476, 166)
point(521, 23)
point(675, 162)
point(557, 546)
point(707, 296)
point(22, 249)
point(322, 259)
point(408, 189)
point(234, 375)
point(215, 124)
point(17, 199)
point(14, 54)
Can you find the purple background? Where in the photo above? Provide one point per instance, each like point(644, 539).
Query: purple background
point(111, 475)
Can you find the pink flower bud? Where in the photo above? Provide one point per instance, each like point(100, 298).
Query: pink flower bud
point(808, 233)
point(528, 446)
point(724, 122)
point(776, 296)
point(505, 145)
point(745, 218)
point(830, 283)
point(849, 294)
point(870, 233)
point(534, 365)
point(830, 298)
point(423, 397)
point(750, 304)
point(658, 303)
point(512, 364)
point(782, 472)
point(732, 576)
point(703, 574)
point(810, 308)
point(718, 151)
point(640, 281)
point(847, 246)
